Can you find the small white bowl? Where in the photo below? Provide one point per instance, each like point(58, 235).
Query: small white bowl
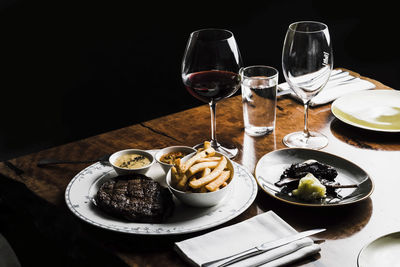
point(124, 171)
point(166, 166)
point(207, 199)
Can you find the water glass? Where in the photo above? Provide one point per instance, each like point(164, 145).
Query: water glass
point(259, 85)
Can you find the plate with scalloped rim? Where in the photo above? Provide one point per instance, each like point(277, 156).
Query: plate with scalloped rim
point(83, 187)
point(271, 166)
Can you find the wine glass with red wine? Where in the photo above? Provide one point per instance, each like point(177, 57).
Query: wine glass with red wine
point(210, 72)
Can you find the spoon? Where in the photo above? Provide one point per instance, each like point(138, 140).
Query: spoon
point(46, 162)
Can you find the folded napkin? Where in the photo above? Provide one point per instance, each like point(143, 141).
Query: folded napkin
point(236, 238)
point(339, 84)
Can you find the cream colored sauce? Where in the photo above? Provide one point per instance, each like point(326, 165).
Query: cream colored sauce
point(132, 161)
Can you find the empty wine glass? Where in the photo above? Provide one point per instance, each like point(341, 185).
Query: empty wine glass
point(307, 62)
point(210, 72)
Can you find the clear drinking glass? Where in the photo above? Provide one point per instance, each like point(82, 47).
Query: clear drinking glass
point(307, 62)
point(259, 85)
point(210, 72)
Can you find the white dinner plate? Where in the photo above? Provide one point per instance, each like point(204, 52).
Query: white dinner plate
point(271, 166)
point(377, 110)
point(383, 251)
point(184, 219)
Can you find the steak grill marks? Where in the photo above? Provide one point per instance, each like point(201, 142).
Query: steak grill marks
point(135, 198)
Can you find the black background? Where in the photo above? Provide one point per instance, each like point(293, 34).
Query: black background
point(76, 69)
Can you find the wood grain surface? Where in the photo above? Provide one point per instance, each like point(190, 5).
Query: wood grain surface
point(349, 228)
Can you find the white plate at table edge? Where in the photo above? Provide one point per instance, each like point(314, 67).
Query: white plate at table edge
point(269, 188)
point(365, 251)
point(360, 93)
point(83, 208)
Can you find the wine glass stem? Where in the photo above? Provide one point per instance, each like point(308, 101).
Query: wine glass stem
point(306, 131)
point(213, 105)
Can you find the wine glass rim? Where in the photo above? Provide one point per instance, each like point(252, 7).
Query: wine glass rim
point(258, 77)
point(293, 28)
point(230, 34)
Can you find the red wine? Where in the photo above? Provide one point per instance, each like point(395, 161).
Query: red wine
point(212, 85)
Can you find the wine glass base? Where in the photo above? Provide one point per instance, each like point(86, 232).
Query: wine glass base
point(298, 139)
point(230, 151)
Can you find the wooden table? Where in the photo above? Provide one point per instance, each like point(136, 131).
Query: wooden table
point(349, 228)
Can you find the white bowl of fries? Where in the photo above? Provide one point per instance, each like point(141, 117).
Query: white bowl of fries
point(201, 179)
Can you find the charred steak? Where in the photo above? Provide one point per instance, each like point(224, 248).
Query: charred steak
point(135, 198)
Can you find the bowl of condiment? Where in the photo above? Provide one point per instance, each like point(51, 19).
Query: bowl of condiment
point(167, 156)
point(131, 161)
point(207, 194)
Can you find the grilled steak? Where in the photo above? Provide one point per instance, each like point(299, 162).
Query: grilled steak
point(136, 198)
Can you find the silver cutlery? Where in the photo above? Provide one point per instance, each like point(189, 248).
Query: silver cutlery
point(260, 249)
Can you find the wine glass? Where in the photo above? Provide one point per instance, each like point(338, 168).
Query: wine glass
point(307, 62)
point(210, 72)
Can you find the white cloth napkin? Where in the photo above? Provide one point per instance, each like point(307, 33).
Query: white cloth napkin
point(339, 84)
point(236, 238)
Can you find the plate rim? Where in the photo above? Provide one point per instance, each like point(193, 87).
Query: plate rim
point(372, 241)
point(334, 104)
point(240, 210)
point(314, 204)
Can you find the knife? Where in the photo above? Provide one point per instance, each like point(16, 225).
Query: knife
point(260, 249)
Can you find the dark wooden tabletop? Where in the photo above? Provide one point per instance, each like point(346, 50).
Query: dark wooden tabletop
point(349, 227)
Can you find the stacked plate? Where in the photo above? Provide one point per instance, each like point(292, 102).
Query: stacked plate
point(377, 110)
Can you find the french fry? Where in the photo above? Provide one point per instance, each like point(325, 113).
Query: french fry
point(199, 150)
point(178, 165)
point(186, 165)
point(220, 180)
point(174, 176)
point(201, 166)
point(210, 177)
point(202, 189)
point(182, 184)
point(198, 190)
point(206, 171)
point(208, 159)
point(207, 144)
point(192, 179)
